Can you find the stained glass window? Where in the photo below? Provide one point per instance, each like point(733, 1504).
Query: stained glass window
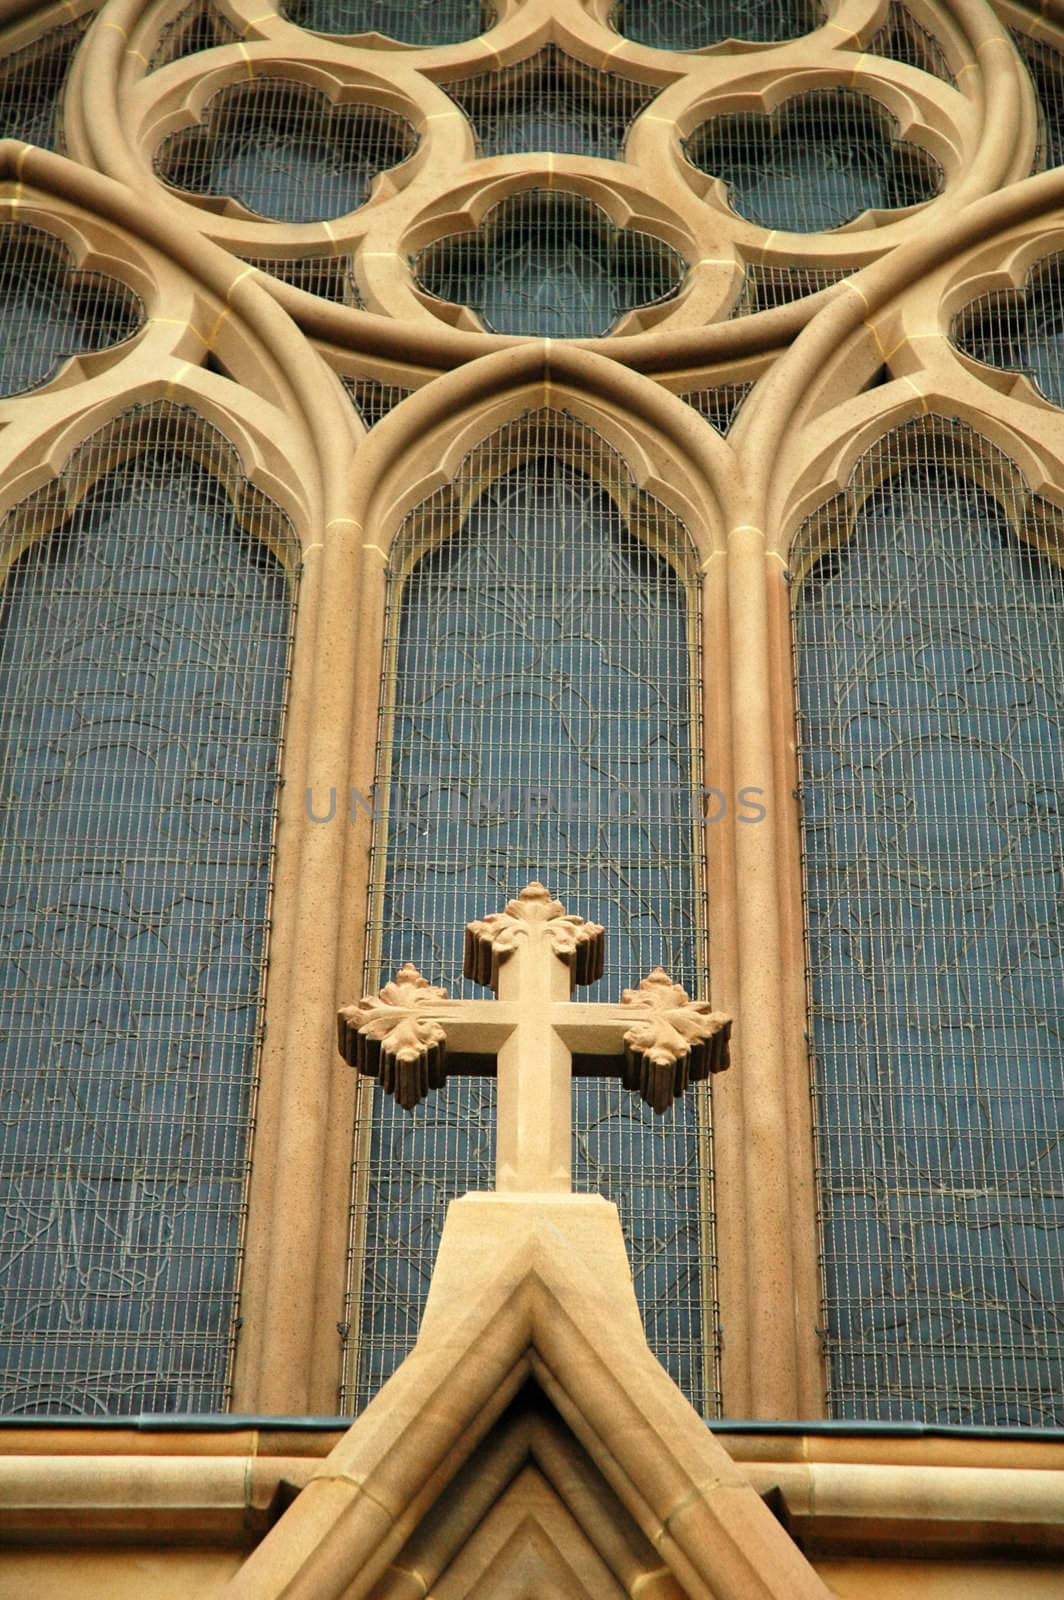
point(423, 22)
point(694, 24)
point(815, 162)
point(540, 723)
point(144, 638)
point(50, 311)
point(549, 263)
point(284, 150)
point(1021, 330)
point(930, 646)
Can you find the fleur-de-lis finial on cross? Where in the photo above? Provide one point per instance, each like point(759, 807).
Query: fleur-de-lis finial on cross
point(531, 1036)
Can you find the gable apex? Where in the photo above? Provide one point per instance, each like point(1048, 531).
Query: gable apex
point(530, 1294)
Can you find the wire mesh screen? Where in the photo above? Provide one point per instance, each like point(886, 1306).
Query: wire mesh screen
point(52, 312)
point(331, 277)
point(550, 263)
point(693, 24)
point(284, 150)
point(719, 405)
point(902, 38)
point(144, 642)
point(539, 722)
point(373, 399)
point(766, 287)
point(553, 102)
point(31, 85)
point(423, 22)
point(1046, 69)
point(930, 658)
point(1021, 330)
point(815, 162)
point(195, 27)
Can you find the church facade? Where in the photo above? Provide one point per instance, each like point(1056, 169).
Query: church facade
point(534, 527)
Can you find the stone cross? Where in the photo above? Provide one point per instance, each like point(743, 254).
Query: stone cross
point(411, 1036)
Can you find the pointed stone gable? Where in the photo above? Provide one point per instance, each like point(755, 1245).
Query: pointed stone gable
point(528, 1441)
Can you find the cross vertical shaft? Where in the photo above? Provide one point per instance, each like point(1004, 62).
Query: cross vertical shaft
point(533, 1140)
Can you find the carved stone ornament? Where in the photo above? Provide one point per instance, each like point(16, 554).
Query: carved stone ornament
point(490, 941)
point(389, 1037)
point(676, 1040)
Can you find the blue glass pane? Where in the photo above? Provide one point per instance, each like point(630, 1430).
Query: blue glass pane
point(931, 673)
point(542, 727)
point(143, 652)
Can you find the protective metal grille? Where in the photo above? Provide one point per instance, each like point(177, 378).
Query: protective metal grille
point(422, 22)
point(719, 406)
point(1046, 69)
point(815, 162)
point(693, 24)
point(553, 102)
point(31, 85)
point(767, 287)
point(331, 277)
point(51, 311)
point(550, 263)
point(1021, 330)
point(197, 26)
point(143, 660)
point(540, 721)
point(285, 150)
point(902, 38)
point(373, 399)
point(930, 658)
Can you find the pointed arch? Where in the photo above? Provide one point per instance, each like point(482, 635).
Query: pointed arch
point(540, 720)
point(931, 699)
point(144, 653)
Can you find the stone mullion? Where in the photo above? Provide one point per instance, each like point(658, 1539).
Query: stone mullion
point(757, 1139)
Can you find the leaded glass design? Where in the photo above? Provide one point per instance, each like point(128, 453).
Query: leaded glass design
point(423, 22)
point(550, 263)
point(815, 162)
point(553, 102)
point(32, 81)
point(539, 722)
point(930, 653)
point(765, 287)
point(331, 277)
point(694, 24)
point(50, 311)
point(902, 38)
point(1046, 70)
point(195, 27)
point(1021, 330)
point(373, 399)
point(284, 150)
point(720, 404)
point(144, 640)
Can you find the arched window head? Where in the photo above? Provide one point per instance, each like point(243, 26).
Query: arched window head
point(540, 720)
point(929, 620)
point(144, 637)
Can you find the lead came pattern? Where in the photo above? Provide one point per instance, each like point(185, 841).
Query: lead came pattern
point(550, 263)
point(930, 656)
point(541, 725)
point(815, 162)
point(553, 102)
point(143, 661)
point(52, 312)
point(285, 150)
point(1021, 330)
